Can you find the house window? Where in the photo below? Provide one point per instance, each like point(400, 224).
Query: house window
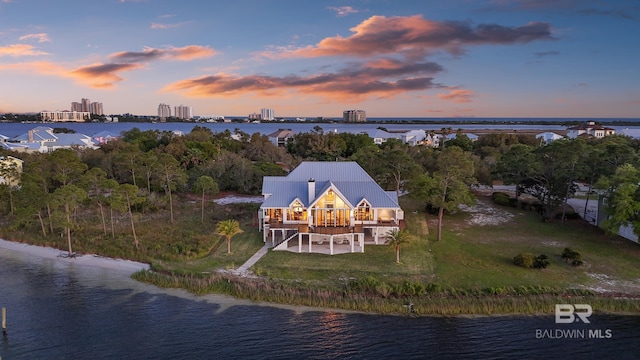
point(296, 212)
point(364, 212)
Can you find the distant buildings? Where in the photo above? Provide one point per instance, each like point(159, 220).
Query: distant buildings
point(43, 139)
point(548, 137)
point(164, 111)
point(85, 105)
point(267, 114)
point(61, 116)
point(354, 116)
point(180, 112)
point(589, 129)
point(281, 137)
point(183, 112)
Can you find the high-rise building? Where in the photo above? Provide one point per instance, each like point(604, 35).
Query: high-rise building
point(86, 105)
point(354, 116)
point(164, 111)
point(267, 114)
point(96, 108)
point(183, 112)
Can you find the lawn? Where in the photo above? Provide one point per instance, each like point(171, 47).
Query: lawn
point(475, 256)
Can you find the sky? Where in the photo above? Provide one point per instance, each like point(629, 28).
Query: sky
point(391, 58)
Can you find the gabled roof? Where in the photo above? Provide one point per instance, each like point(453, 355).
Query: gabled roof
point(346, 177)
point(281, 133)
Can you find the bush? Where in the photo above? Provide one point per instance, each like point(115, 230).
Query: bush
point(501, 198)
point(541, 262)
point(525, 260)
point(528, 261)
point(570, 255)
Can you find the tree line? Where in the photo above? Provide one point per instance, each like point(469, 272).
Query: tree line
point(142, 172)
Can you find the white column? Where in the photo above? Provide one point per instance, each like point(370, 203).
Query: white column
point(309, 243)
point(299, 243)
point(273, 242)
point(361, 240)
point(353, 242)
point(331, 244)
point(375, 237)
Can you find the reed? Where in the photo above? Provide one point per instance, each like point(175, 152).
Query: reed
point(529, 301)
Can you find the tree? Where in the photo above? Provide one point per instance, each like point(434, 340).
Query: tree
point(65, 201)
point(397, 237)
point(99, 189)
point(449, 185)
point(173, 176)
point(124, 198)
point(228, 229)
point(66, 167)
point(515, 166)
point(623, 198)
point(206, 185)
point(9, 179)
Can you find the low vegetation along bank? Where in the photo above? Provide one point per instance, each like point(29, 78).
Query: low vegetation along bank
point(390, 299)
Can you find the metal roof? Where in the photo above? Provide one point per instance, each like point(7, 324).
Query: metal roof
point(348, 178)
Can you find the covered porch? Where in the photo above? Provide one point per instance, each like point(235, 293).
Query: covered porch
point(326, 240)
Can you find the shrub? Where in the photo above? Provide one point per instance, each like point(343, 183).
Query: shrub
point(541, 262)
point(570, 255)
point(525, 260)
point(501, 198)
point(528, 261)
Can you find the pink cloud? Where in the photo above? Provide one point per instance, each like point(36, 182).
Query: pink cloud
point(379, 35)
point(185, 53)
point(17, 50)
point(458, 96)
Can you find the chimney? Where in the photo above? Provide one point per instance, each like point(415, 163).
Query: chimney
point(30, 135)
point(312, 190)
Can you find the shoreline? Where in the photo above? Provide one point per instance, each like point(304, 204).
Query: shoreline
point(85, 260)
point(129, 267)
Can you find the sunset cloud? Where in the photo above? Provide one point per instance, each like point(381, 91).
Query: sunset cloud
point(381, 78)
point(101, 76)
point(37, 37)
point(17, 50)
point(396, 49)
point(458, 96)
point(185, 53)
point(415, 35)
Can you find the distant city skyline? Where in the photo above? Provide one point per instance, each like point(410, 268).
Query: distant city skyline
point(457, 58)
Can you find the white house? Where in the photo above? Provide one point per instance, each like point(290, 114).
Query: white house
point(590, 129)
point(327, 207)
point(548, 137)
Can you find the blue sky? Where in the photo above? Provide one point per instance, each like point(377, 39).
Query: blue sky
point(484, 58)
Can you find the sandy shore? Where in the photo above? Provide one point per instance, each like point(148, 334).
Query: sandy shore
point(81, 260)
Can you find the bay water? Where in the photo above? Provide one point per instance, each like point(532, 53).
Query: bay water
point(61, 310)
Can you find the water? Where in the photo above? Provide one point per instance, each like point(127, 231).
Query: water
point(62, 311)
point(14, 129)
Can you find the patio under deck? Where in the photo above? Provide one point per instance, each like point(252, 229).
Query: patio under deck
point(325, 240)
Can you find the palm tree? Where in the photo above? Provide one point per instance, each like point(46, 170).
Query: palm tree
point(396, 237)
point(228, 228)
